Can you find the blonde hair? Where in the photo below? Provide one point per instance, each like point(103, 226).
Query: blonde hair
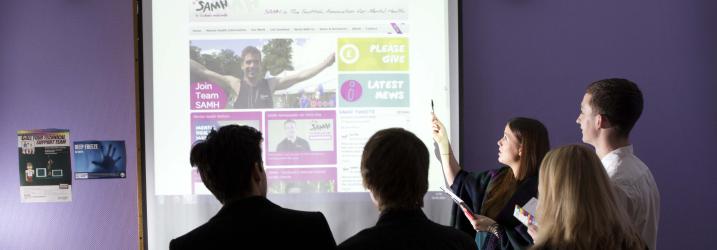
point(577, 208)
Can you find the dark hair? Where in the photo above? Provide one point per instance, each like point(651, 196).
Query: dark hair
point(226, 158)
point(535, 143)
point(619, 100)
point(250, 50)
point(394, 166)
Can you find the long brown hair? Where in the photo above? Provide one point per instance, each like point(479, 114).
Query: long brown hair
point(533, 139)
point(576, 206)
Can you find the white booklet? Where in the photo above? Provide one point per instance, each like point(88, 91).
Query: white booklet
point(526, 214)
point(456, 199)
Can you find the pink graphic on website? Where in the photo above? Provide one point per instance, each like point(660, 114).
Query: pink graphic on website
point(207, 95)
point(351, 90)
point(203, 123)
point(300, 138)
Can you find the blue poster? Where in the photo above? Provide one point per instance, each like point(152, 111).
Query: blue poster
point(100, 159)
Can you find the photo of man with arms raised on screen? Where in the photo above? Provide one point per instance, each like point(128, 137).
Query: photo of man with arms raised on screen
point(249, 87)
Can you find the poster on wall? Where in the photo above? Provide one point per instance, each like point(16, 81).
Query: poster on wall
point(99, 159)
point(44, 160)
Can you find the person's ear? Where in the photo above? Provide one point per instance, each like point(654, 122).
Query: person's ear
point(602, 122)
point(256, 172)
point(520, 150)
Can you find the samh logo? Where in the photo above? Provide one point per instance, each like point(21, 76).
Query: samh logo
point(210, 8)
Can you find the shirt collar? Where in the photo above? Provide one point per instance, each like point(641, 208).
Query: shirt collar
point(626, 150)
point(396, 215)
point(610, 160)
point(252, 203)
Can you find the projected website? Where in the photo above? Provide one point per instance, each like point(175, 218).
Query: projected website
point(317, 82)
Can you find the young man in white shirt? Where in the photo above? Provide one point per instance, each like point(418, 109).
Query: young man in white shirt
point(609, 110)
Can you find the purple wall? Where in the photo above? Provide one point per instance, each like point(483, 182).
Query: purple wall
point(68, 64)
point(535, 58)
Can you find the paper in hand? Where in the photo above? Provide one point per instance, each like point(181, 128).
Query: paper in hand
point(456, 199)
point(526, 214)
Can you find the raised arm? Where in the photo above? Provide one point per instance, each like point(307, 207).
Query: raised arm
point(227, 82)
point(288, 81)
point(450, 165)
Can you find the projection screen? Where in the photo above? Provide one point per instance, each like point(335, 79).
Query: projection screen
point(334, 73)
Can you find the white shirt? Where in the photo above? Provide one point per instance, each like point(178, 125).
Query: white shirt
point(636, 191)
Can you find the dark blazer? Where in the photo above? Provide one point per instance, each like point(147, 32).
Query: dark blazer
point(257, 223)
point(473, 187)
point(411, 230)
